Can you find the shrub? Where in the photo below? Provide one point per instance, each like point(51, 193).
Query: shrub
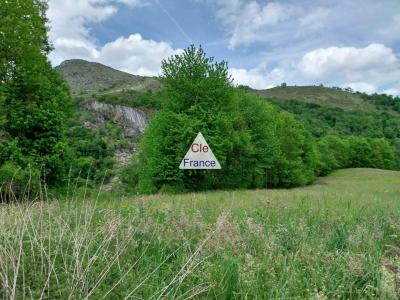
point(18, 183)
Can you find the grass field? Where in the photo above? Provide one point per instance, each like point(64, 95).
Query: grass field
point(337, 239)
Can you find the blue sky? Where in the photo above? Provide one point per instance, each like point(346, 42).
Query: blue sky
point(337, 43)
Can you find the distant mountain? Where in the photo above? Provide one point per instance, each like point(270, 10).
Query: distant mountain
point(90, 78)
point(86, 77)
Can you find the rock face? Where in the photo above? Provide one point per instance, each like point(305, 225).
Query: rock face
point(132, 120)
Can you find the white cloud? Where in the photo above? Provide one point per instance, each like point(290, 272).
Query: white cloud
point(70, 23)
point(367, 69)
point(69, 26)
point(257, 78)
point(313, 21)
point(363, 69)
point(135, 54)
point(392, 91)
point(288, 23)
point(247, 19)
point(344, 61)
point(361, 87)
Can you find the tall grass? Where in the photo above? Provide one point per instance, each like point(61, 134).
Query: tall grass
point(337, 239)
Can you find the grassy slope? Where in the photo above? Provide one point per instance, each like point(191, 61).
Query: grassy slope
point(324, 241)
point(320, 95)
point(87, 78)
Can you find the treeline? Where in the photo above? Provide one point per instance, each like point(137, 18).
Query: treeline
point(322, 121)
point(335, 152)
point(383, 101)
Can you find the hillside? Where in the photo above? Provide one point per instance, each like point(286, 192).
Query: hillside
point(322, 110)
point(322, 96)
point(89, 77)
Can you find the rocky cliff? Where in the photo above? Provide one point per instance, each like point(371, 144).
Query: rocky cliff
point(131, 120)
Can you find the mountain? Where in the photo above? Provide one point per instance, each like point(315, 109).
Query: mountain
point(86, 77)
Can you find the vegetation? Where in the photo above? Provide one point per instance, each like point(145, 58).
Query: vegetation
point(87, 78)
point(41, 138)
point(338, 153)
point(61, 238)
point(35, 103)
point(323, 96)
point(256, 145)
point(322, 121)
point(334, 240)
point(383, 101)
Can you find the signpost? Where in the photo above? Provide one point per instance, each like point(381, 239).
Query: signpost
point(199, 156)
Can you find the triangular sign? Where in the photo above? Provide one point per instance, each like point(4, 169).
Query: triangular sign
point(199, 156)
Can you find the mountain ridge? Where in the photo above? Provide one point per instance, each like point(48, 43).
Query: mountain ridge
point(91, 78)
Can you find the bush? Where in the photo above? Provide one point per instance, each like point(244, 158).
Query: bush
point(94, 152)
point(18, 183)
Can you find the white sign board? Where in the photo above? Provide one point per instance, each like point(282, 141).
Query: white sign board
point(199, 156)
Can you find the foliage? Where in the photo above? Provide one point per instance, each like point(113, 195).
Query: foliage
point(94, 152)
point(354, 152)
point(325, 121)
point(35, 102)
point(386, 102)
point(18, 183)
point(249, 137)
point(147, 100)
point(296, 165)
point(199, 97)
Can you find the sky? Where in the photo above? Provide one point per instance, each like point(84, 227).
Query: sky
point(301, 42)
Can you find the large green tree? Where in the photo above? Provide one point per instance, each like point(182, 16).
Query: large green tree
point(256, 145)
point(35, 102)
point(198, 97)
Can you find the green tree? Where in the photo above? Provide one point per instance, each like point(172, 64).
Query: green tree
point(256, 145)
point(261, 122)
point(382, 154)
point(198, 97)
point(333, 153)
point(297, 154)
point(35, 101)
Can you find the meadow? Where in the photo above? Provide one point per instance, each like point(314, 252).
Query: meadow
point(336, 239)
